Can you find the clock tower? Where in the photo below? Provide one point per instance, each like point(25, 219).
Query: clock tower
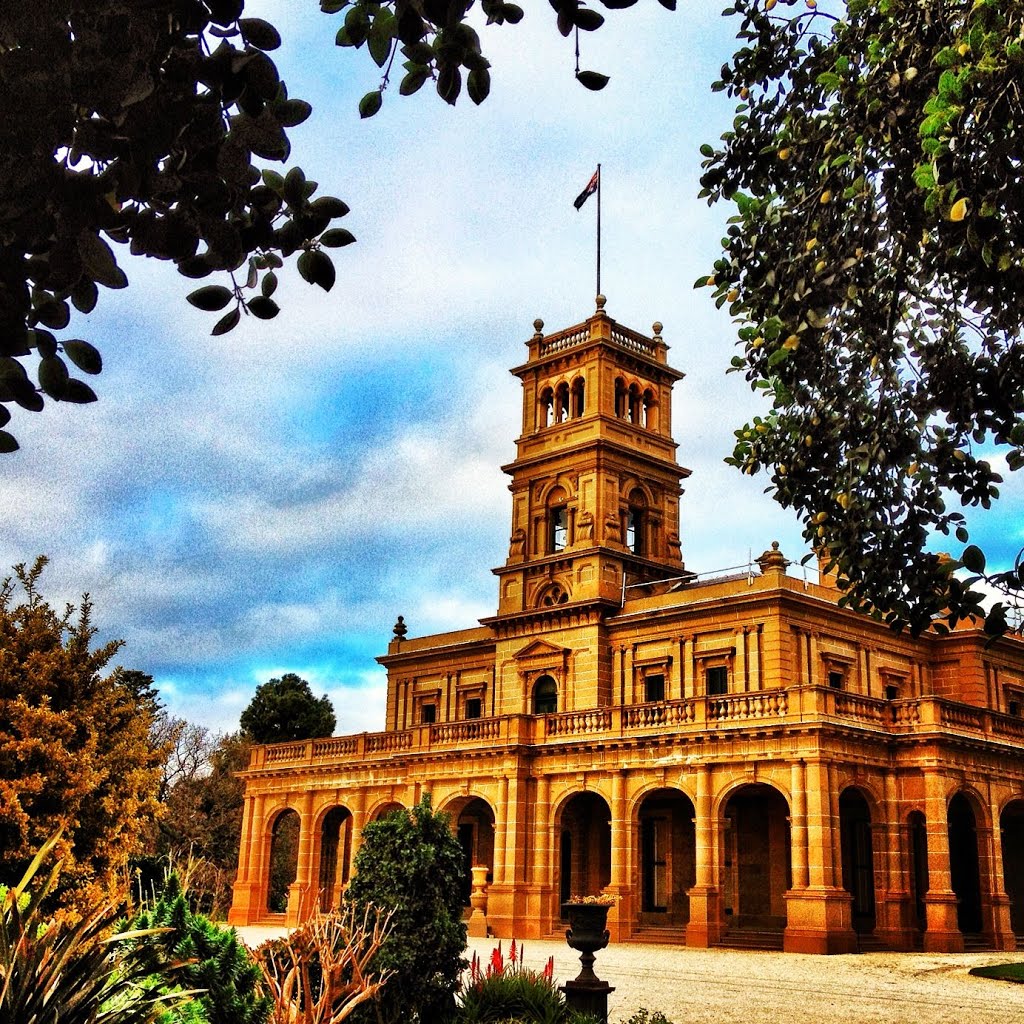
point(595, 482)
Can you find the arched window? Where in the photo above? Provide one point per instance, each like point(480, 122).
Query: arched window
point(621, 406)
point(555, 594)
point(561, 403)
point(558, 528)
point(650, 420)
point(546, 408)
point(636, 522)
point(635, 399)
point(578, 404)
point(545, 696)
point(557, 520)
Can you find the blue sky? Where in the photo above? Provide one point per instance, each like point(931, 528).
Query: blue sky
point(270, 500)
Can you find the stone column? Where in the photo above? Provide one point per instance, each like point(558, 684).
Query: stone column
point(245, 906)
point(894, 911)
point(1002, 933)
point(942, 933)
point(819, 917)
point(798, 824)
point(621, 915)
point(302, 890)
point(705, 925)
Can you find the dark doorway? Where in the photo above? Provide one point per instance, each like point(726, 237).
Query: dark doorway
point(965, 875)
point(858, 861)
point(1011, 826)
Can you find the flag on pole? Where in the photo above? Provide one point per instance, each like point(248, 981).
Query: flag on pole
point(589, 190)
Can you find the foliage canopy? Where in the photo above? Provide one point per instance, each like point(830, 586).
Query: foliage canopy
point(147, 125)
point(875, 265)
point(285, 709)
point(75, 751)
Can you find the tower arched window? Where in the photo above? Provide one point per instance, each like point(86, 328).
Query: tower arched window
point(636, 523)
point(558, 528)
point(546, 408)
point(545, 696)
point(561, 403)
point(577, 400)
point(557, 520)
point(650, 410)
point(621, 398)
point(635, 402)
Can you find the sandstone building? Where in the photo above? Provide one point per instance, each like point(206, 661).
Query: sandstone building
point(731, 757)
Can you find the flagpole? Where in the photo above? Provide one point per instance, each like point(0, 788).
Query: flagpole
point(598, 229)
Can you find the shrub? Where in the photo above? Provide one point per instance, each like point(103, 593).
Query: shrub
point(410, 863)
point(508, 990)
point(323, 971)
point(197, 954)
point(68, 970)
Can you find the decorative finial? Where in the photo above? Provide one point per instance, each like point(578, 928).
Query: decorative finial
point(538, 328)
point(601, 300)
point(400, 628)
point(772, 559)
point(657, 328)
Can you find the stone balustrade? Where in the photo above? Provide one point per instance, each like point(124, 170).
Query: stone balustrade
point(803, 705)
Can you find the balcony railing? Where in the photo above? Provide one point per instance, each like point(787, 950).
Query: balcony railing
point(764, 708)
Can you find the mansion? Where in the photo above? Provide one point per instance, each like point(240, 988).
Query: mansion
point(736, 758)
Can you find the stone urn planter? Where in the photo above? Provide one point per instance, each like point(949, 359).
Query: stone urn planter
point(587, 932)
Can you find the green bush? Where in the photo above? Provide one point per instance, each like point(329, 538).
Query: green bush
point(197, 954)
point(507, 990)
point(410, 863)
point(67, 970)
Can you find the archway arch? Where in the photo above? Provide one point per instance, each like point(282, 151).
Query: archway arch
point(1011, 829)
point(965, 863)
point(473, 823)
point(585, 846)
point(857, 853)
point(917, 837)
point(665, 857)
point(756, 858)
point(284, 859)
point(388, 807)
point(335, 856)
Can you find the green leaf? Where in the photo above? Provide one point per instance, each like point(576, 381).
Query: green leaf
point(79, 392)
point(292, 112)
point(227, 322)
point(337, 237)
point(370, 103)
point(316, 267)
point(329, 206)
point(587, 20)
point(592, 80)
point(53, 376)
point(8, 443)
point(99, 261)
point(478, 85)
point(263, 308)
point(85, 356)
point(273, 180)
point(413, 81)
point(973, 559)
point(269, 285)
point(210, 297)
point(260, 33)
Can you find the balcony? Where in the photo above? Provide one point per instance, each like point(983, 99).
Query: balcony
point(758, 709)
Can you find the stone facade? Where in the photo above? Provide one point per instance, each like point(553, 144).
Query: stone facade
point(735, 758)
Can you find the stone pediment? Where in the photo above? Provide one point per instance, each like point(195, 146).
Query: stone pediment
point(541, 649)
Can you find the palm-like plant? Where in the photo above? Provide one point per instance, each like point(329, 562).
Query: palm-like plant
point(67, 971)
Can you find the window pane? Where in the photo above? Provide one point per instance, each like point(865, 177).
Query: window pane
point(717, 680)
point(474, 706)
point(429, 713)
point(654, 686)
point(558, 528)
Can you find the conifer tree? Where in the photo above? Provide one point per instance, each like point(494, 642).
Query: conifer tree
point(75, 751)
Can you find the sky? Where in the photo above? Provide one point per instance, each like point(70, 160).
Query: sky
point(270, 500)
